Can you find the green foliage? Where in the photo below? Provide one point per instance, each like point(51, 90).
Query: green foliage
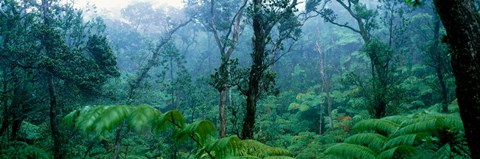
point(351, 151)
point(106, 118)
point(22, 150)
point(402, 136)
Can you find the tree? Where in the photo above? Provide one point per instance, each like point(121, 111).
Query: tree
point(47, 47)
point(462, 22)
point(326, 88)
point(379, 53)
point(226, 23)
point(265, 16)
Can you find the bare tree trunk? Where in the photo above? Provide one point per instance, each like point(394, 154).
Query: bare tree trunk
point(325, 84)
point(462, 22)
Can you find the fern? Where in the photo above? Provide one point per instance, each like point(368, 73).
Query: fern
point(403, 151)
point(141, 118)
point(370, 140)
point(397, 136)
point(111, 118)
point(409, 139)
point(346, 150)
point(18, 149)
point(384, 127)
point(431, 124)
point(201, 131)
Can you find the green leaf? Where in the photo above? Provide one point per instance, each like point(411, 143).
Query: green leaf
point(346, 150)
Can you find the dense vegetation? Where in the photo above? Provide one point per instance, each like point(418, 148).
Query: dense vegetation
point(240, 79)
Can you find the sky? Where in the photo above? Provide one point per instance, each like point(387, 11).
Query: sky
point(111, 8)
point(118, 4)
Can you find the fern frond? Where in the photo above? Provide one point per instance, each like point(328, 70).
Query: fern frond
point(143, 117)
point(34, 152)
point(384, 127)
point(224, 147)
point(233, 147)
point(346, 150)
point(278, 157)
point(399, 119)
point(403, 151)
point(429, 124)
point(70, 119)
point(111, 118)
point(401, 140)
point(202, 131)
point(371, 140)
point(88, 116)
point(170, 119)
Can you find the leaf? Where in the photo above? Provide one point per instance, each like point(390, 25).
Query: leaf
point(143, 117)
point(371, 140)
point(383, 126)
point(346, 150)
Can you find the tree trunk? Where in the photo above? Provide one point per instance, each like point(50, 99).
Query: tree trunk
point(256, 71)
point(53, 119)
point(436, 56)
point(223, 120)
point(118, 141)
point(249, 121)
point(325, 85)
point(321, 121)
point(462, 23)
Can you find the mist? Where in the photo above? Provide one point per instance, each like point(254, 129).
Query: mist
point(239, 78)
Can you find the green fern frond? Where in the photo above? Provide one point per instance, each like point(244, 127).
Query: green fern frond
point(399, 119)
point(278, 157)
point(224, 147)
point(403, 151)
point(233, 147)
point(256, 148)
point(70, 119)
point(371, 140)
point(408, 139)
point(111, 118)
point(88, 116)
point(384, 127)
point(346, 150)
point(18, 149)
point(143, 117)
point(202, 131)
point(170, 119)
point(442, 152)
point(429, 124)
point(34, 152)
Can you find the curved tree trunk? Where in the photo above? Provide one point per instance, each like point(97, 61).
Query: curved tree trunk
point(462, 22)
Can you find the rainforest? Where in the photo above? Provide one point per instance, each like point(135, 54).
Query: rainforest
point(238, 79)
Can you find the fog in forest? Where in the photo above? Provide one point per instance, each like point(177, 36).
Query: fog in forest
point(218, 79)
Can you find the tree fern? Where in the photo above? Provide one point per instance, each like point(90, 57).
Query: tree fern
point(409, 139)
point(431, 124)
point(371, 140)
point(346, 150)
point(111, 118)
point(399, 136)
point(18, 149)
point(141, 118)
point(384, 127)
point(201, 131)
point(399, 152)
